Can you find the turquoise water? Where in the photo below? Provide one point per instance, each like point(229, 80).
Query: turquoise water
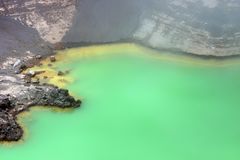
point(138, 107)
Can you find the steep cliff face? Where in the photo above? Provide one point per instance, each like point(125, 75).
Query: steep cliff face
point(204, 27)
point(165, 32)
point(51, 18)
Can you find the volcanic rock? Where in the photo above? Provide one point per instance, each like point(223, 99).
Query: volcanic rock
point(4, 102)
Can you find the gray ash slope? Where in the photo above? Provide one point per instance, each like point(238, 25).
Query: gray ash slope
point(17, 40)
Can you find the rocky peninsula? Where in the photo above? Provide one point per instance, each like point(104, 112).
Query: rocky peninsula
point(18, 92)
point(23, 47)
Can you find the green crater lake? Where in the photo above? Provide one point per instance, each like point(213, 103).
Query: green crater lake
point(138, 104)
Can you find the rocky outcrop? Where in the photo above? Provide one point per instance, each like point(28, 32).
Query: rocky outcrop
point(9, 129)
point(23, 42)
point(18, 92)
point(16, 96)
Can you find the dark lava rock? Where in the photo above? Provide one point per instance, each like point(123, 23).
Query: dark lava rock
point(4, 102)
point(40, 95)
point(16, 97)
point(50, 96)
point(9, 129)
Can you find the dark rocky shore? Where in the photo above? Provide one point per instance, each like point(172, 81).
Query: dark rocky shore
point(21, 48)
point(19, 97)
point(18, 93)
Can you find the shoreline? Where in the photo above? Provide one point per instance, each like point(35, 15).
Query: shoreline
point(18, 94)
point(22, 116)
point(16, 103)
point(70, 45)
point(166, 54)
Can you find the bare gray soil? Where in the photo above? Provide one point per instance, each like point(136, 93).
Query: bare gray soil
point(17, 40)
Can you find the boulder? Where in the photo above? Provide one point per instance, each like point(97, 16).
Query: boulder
point(52, 58)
